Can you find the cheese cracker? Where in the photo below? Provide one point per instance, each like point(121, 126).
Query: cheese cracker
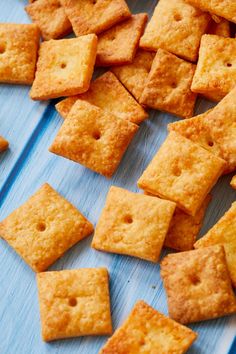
point(3, 144)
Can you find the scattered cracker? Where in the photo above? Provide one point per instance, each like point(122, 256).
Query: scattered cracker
point(93, 137)
point(74, 303)
point(95, 16)
point(214, 130)
point(224, 233)
point(198, 285)
point(50, 18)
point(221, 28)
point(216, 67)
point(168, 86)
point(123, 229)
point(148, 331)
point(133, 76)
point(222, 8)
point(119, 44)
point(44, 228)
point(233, 182)
point(18, 52)
point(183, 172)
point(177, 27)
point(65, 67)
point(109, 94)
point(3, 144)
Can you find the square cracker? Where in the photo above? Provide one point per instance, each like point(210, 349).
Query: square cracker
point(44, 228)
point(119, 44)
point(95, 138)
point(177, 27)
point(216, 67)
point(168, 86)
point(214, 130)
point(148, 331)
point(222, 8)
point(106, 92)
point(3, 144)
point(224, 233)
point(133, 76)
point(183, 172)
point(122, 227)
point(198, 285)
point(95, 16)
point(74, 303)
point(18, 52)
point(65, 67)
point(50, 18)
point(233, 182)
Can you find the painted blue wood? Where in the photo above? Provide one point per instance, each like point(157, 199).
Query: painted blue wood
point(31, 127)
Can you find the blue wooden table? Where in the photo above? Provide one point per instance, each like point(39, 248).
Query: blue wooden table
point(31, 127)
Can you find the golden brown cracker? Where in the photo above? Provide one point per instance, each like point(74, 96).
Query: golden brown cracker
point(183, 172)
point(44, 228)
point(74, 303)
point(18, 52)
point(224, 233)
point(168, 86)
point(216, 67)
point(94, 138)
point(3, 144)
point(133, 76)
point(122, 227)
point(176, 27)
point(119, 44)
point(222, 8)
point(50, 18)
point(148, 331)
point(198, 285)
point(214, 130)
point(65, 67)
point(95, 16)
point(106, 92)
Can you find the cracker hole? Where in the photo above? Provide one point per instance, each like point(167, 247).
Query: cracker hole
point(41, 226)
point(195, 280)
point(128, 219)
point(177, 17)
point(2, 48)
point(72, 302)
point(63, 65)
point(174, 85)
point(96, 135)
point(112, 38)
point(177, 171)
point(94, 2)
point(228, 65)
point(210, 143)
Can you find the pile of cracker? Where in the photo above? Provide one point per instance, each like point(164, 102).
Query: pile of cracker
point(184, 51)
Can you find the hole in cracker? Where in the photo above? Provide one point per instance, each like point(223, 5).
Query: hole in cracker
point(2, 48)
point(96, 135)
point(128, 219)
point(112, 38)
point(228, 65)
point(177, 17)
point(63, 65)
point(176, 171)
point(173, 85)
point(195, 280)
point(41, 226)
point(72, 302)
point(210, 143)
point(94, 2)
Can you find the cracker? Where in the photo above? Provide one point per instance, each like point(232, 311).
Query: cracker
point(198, 285)
point(95, 16)
point(168, 86)
point(220, 29)
point(133, 76)
point(65, 67)
point(183, 172)
point(50, 18)
point(122, 227)
point(233, 182)
point(3, 144)
point(184, 228)
point(224, 233)
point(119, 44)
point(177, 27)
point(214, 130)
point(109, 94)
point(93, 137)
point(216, 67)
point(148, 331)
point(74, 303)
point(44, 228)
point(18, 52)
point(222, 8)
